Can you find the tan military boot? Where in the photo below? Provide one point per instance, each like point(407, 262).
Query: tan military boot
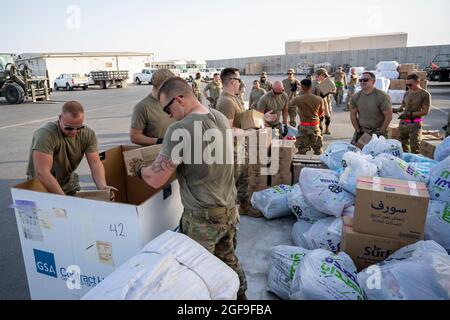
point(245, 209)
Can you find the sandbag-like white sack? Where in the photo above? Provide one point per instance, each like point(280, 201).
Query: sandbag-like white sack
point(395, 168)
point(272, 202)
point(284, 260)
point(335, 152)
point(325, 234)
point(417, 272)
point(382, 83)
point(171, 267)
point(356, 165)
point(300, 207)
point(387, 66)
point(380, 145)
point(323, 275)
point(439, 187)
point(322, 191)
point(438, 223)
point(299, 230)
point(391, 75)
point(442, 150)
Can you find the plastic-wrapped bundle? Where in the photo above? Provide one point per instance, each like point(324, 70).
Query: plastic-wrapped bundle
point(272, 202)
point(442, 150)
point(438, 223)
point(379, 145)
point(332, 157)
point(396, 96)
point(387, 66)
point(322, 191)
point(284, 260)
point(383, 84)
point(325, 234)
point(391, 75)
point(439, 186)
point(417, 272)
point(300, 207)
point(323, 275)
point(411, 158)
point(299, 231)
point(356, 165)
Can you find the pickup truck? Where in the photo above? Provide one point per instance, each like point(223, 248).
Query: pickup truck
point(70, 81)
point(144, 76)
point(439, 69)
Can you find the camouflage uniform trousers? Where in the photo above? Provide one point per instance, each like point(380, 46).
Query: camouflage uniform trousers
point(241, 172)
point(213, 103)
point(198, 95)
point(357, 136)
point(292, 110)
point(309, 137)
point(217, 234)
point(410, 136)
point(339, 95)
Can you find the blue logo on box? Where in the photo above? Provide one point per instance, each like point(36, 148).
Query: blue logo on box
point(45, 263)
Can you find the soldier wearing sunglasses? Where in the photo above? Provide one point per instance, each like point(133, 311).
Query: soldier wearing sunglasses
point(370, 109)
point(58, 148)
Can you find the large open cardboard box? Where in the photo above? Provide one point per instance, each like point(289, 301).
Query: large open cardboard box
point(67, 238)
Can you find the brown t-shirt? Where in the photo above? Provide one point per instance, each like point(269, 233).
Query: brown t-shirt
point(148, 116)
point(308, 107)
point(230, 106)
point(371, 107)
point(414, 101)
point(275, 103)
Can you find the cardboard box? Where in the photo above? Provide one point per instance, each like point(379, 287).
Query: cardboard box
point(391, 208)
point(393, 131)
point(100, 195)
point(252, 119)
point(398, 84)
point(258, 145)
point(407, 67)
point(428, 147)
point(326, 86)
point(365, 249)
point(285, 149)
point(365, 139)
point(403, 75)
point(278, 179)
point(285, 167)
point(424, 84)
point(146, 154)
point(258, 181)
point(94, 237)
point(305, 161)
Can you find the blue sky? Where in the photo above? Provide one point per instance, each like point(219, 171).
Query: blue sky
point(201, 29)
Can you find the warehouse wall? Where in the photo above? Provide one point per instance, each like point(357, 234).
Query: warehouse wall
point(364, 58)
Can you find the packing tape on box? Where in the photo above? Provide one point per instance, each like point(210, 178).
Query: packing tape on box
point(413, 188)
point(376, 184)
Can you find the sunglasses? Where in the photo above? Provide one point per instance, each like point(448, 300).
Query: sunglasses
point(166, 109)
point(68, 128)
point(364, 80)
point(289, 74)
point(237, 79)
point(277, 93)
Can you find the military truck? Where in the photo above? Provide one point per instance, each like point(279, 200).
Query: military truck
point(18, 83)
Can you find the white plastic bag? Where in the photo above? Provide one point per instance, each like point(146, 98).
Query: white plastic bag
point(323, 275)
point(387, 66)
point(171, 267)
point(272, 202)
point(382, 83)
point(335, 152)
point(322, 191)
point(300, 208)
point(438, 223)
point(356, 165)
point(391, 75)
point(325, 234)
point(299, 231)
point(379, 145)
point(442, 150)
point(284, 260)
point(396, 96)
point(439, 186)
point(395, 168)
point(417, 272)
point(417, 158)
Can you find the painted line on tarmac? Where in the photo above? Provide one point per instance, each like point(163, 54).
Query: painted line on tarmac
point(52, 118)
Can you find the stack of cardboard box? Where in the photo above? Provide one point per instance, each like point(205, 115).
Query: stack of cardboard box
point(393, 131)
point(305, 161)
point(389, 214)
point(283, 151)
point(259, 144)
point(407, 68)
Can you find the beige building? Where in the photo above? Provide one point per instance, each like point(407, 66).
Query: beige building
point(380, 41)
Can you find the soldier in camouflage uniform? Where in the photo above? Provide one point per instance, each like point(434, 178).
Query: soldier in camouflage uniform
point(207, 190)
point(291, 86)
point(215, 89)
point(416, 105)
point(264, 83)
point(197, 85)
point(309, 108)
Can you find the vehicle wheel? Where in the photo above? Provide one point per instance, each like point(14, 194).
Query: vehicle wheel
point(138, 81)
point(103, 85)
point(56, 87)
point(68, 87)
point(85, 87)
point(14, 93)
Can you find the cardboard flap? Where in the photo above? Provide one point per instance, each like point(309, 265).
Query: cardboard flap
point(147, 154)
point(32, 185)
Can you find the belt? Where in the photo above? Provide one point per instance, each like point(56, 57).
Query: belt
point(310, 124)
point(417, 120)
point(209, 213)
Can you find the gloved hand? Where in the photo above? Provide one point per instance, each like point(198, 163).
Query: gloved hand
point(284, 131)
point(405, 116)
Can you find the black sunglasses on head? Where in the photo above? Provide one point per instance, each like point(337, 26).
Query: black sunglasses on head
point(166, 109)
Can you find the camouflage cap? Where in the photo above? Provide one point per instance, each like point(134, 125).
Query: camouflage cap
point(291, 71)
point(322, 71)
point(161, 75)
